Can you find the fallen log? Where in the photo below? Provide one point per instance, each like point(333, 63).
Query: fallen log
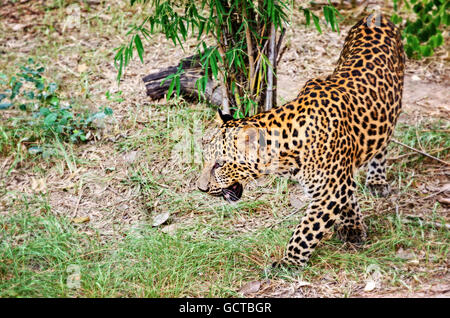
point(157, 87)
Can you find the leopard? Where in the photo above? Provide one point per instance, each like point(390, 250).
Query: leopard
point(337, 124)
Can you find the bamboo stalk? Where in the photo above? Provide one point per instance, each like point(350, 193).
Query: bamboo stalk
point(270, 70)
point(275, 65)
point(258, 64)
point(251, 60)
point(221, 75)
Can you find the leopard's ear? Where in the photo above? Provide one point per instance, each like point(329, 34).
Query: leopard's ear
point(222, 118)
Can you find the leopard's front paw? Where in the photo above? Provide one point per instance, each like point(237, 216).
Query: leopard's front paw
point(288, 262)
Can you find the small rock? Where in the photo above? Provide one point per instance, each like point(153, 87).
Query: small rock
point(130, 157)
point(250, 287)
point(370, 286)
point(401, 253)
point(160, 219)
point(82, 68)
point(444, 200)
point(81, 219)
point(170, 229)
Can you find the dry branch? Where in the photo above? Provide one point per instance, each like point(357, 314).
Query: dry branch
point(415, 219)
point(157, 87)
point(421, 152)
point(302, 208)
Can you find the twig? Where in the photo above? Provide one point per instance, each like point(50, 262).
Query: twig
point(413, 153)
point(412, 219)
point(288, 216)
point(80, 195)
point(421, 152)
point(434, 194)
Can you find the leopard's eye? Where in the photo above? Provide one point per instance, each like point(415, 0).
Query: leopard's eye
point(218, 164)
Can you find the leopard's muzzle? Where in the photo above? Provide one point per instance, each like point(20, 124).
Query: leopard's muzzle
point(233, 193)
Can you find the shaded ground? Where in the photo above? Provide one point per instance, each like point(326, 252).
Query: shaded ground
point(120, 183)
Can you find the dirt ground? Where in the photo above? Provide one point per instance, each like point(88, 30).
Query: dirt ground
point(90, 190)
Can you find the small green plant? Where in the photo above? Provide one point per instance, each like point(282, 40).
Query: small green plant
point(243, 56)
point(46, 115)
point(424, 34)
point(115, 97)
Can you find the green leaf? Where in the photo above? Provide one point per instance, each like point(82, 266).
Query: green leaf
point(44, 111)
point(395, 5)
point(50, 119)
point(54, 101)
point(426, 50)
point(417, 8)
point(15, 89)
point(213, 64)
point(39, 84)
point(316, 23)
point(307, 15)
point(108, 111)
point(5, 105)
point(172, 85)
point(52, 87)
point(413, 41)
point(118, 61)
point(396, 19)
point(409, 51)
point(139, 47)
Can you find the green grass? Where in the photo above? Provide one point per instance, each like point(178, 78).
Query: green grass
point(39, 249)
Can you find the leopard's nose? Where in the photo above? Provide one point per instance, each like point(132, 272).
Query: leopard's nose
point(203, 181)
point(203, 189)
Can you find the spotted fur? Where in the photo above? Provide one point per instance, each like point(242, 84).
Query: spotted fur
point(335, 125)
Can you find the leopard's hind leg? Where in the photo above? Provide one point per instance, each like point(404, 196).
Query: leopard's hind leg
point(376, 174)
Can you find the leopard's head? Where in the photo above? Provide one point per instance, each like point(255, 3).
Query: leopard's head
point(229, 159)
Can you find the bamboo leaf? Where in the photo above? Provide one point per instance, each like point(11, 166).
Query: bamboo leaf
point(171, 87)
point(307, 15)
point(316, 22)
point(139, 47)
